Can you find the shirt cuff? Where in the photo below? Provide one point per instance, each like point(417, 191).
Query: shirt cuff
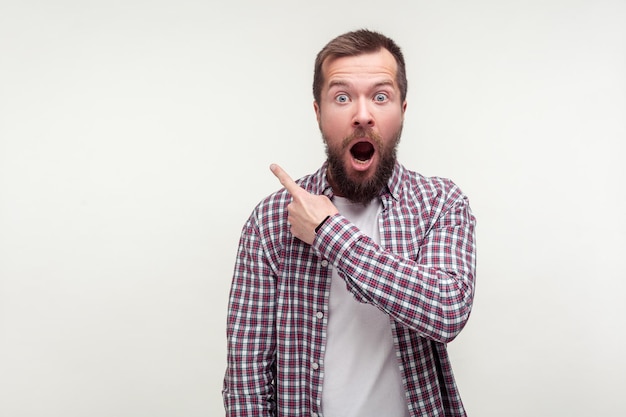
point(335, 237)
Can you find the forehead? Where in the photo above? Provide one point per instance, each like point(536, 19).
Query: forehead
point(378, 66)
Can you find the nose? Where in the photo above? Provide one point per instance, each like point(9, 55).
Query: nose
point(363, 115)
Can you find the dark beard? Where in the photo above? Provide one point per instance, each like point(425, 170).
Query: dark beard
point(361, 191)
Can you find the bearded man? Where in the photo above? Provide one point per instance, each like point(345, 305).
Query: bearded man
point(350, 282)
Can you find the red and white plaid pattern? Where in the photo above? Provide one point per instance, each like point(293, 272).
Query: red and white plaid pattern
point(421, 275)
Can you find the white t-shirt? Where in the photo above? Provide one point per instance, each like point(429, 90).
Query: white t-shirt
point(361, 371)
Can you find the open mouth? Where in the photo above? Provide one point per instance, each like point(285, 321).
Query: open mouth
point(362, 151)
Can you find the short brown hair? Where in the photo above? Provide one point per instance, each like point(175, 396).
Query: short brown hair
point(356, 43)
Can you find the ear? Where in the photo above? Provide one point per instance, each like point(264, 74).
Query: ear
point(403, 107)
point(318, 113)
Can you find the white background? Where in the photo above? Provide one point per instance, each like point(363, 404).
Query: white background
point(135, 139)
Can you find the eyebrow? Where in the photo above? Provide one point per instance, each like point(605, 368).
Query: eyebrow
point(341, 83)
point(337, 83)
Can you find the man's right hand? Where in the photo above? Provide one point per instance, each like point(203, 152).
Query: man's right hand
point(306, 210)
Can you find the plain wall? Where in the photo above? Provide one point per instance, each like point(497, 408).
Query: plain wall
point(135, 139)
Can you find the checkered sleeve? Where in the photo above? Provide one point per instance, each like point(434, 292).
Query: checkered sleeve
point(430, 293)
point(248, 382)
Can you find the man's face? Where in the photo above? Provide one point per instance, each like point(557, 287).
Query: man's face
point(360, 114)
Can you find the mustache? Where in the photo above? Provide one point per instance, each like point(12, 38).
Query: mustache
point(362, 132)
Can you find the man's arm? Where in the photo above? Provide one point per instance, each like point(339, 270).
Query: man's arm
point(248, 383)
point(432, 294)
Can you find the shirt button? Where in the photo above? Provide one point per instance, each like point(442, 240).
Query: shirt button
point(324, 263)
point(315, 366)
point(319, 315)
point(313, 414)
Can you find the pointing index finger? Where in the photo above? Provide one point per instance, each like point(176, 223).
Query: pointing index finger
point(284, 178)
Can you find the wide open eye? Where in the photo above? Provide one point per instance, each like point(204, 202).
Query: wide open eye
point(341, 98)
point(380, 97)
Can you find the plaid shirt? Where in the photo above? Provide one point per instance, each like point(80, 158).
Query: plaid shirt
point(421, 275)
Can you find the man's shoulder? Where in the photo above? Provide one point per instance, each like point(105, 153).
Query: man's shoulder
point(414, 185)
point(415, 180)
